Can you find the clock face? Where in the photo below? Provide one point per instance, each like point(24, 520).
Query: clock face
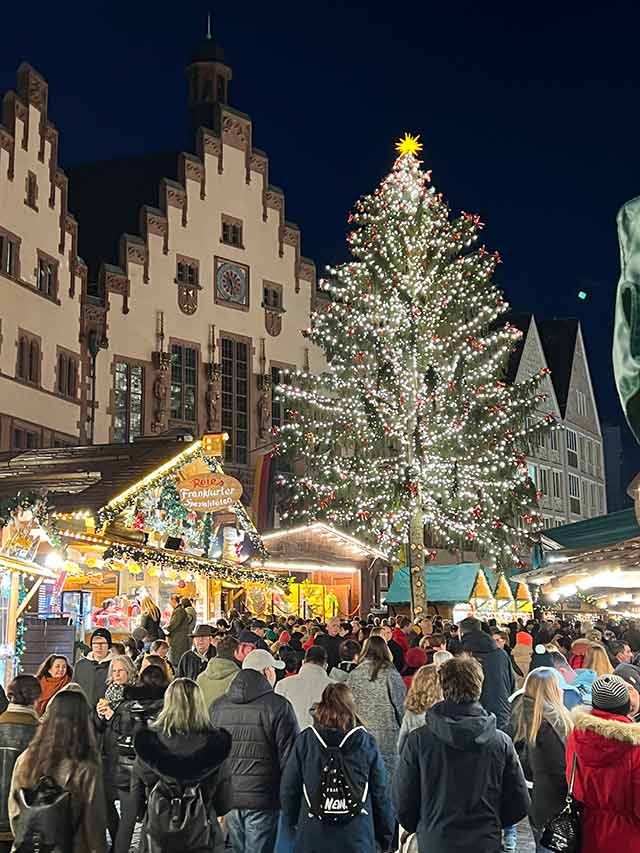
point(232, 283)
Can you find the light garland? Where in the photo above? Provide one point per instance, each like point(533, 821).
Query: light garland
point(179, 561)
point(413, 406)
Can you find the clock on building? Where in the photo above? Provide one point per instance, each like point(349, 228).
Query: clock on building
point(232, 283)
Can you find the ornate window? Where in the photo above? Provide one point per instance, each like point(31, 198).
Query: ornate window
point(184, 382)
point(28, 359)
point(232, 231)
point(47, 276)
point(31, 191)
point(187, 274)
point(25, 438)
point(273, 309)
point(128, 401)
point(235, 398)
point(68, 368)
point(9, 254)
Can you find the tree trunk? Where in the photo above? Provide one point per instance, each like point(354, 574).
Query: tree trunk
point(417, 577)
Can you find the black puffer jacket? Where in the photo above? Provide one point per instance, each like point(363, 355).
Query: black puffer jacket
point(263, 728)
point(140, 705)
point(499, 680)
point(459, 781)
point(188, 759)
point(191, 664)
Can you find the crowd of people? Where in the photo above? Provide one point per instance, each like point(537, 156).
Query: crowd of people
point(287, 736)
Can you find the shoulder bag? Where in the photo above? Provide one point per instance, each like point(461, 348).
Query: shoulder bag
point(563, 833)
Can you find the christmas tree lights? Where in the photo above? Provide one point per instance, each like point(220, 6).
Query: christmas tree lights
point(412, 425)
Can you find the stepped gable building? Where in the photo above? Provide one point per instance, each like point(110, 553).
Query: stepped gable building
point(43, 377)
point(567, 465)
point(191, 295)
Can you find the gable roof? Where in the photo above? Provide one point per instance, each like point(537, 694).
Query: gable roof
point(522, 322)
point(446, 584)
point(558, 338)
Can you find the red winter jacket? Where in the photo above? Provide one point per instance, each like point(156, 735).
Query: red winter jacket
point(399, 636)
point(578, 651)
point(607, 780)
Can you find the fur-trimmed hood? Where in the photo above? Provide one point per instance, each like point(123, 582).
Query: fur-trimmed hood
point(603, 740)
point(609, 726)
point(186, 758)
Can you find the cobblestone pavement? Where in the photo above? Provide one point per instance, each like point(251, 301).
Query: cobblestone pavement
point(525, 839)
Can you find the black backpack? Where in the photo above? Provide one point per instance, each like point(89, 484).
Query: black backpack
point(45, 823)
point(177, 820)
point(335, 799)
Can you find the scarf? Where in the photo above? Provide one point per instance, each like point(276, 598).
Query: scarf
point(114, 694)
point(49, 687)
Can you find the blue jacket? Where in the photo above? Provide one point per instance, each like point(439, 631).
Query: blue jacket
point(365, 765)
point(583, 683)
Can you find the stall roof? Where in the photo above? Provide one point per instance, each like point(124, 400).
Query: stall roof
point(604, 530)
point(86, 477)
point(450, 584)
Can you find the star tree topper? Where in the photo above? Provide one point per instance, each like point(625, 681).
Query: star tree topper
point(409, 145)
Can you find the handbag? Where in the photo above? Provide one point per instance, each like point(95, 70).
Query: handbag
point(563, 833)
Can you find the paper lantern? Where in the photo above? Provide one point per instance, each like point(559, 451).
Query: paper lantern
point(134, 568)
point(172, 574)
point(153, 572)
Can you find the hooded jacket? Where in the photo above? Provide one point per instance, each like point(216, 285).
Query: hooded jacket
point(186, 758)
point(215, 680)
point(459, 781)
point(607, 783)
point(364, 765)
point(91, 675)
point(543, 763)
point(263, 728)
point(499, 679)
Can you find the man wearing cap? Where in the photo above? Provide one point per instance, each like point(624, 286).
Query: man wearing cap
point(90, 672)
point(255, 634)
point(263, 728)
point(606, 747)
point(195, 661)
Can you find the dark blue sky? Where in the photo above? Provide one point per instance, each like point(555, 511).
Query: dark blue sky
point(529, 115)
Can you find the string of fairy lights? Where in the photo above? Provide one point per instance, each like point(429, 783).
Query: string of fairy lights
point(413, 406)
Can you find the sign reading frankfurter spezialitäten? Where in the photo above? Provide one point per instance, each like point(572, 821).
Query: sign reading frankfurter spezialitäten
point(209, 492)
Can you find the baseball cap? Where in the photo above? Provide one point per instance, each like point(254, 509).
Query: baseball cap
point(259, 660)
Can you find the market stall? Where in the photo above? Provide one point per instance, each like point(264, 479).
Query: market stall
point(155, 517)
point(453, 591)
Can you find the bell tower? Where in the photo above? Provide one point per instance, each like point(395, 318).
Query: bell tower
point(208, 77)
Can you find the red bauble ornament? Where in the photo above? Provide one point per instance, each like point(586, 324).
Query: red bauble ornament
point(476, 512)
point(412, 488)
point(181, 584)
point(138, 521)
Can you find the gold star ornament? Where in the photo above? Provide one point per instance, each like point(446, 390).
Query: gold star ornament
point(409, 145)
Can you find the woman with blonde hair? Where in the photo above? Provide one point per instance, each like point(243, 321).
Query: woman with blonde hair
point(424, 692)
point(150, 617)
point(596, 663)
point(184, 749)
point(540, 725)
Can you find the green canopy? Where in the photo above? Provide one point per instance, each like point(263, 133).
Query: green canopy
point(604, 530)
point(446, 584)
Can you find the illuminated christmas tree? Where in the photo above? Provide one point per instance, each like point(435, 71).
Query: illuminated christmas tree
point(412, 427)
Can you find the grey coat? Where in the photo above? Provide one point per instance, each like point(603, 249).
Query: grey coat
point(380, 704)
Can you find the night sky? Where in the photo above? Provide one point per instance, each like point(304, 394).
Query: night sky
point(528, 112)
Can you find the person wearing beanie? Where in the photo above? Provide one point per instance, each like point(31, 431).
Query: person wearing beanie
point(606, 745)
point(540, 657)
point(521, 655)
point(90, 672)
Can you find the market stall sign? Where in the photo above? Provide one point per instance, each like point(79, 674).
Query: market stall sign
point(209, 493)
